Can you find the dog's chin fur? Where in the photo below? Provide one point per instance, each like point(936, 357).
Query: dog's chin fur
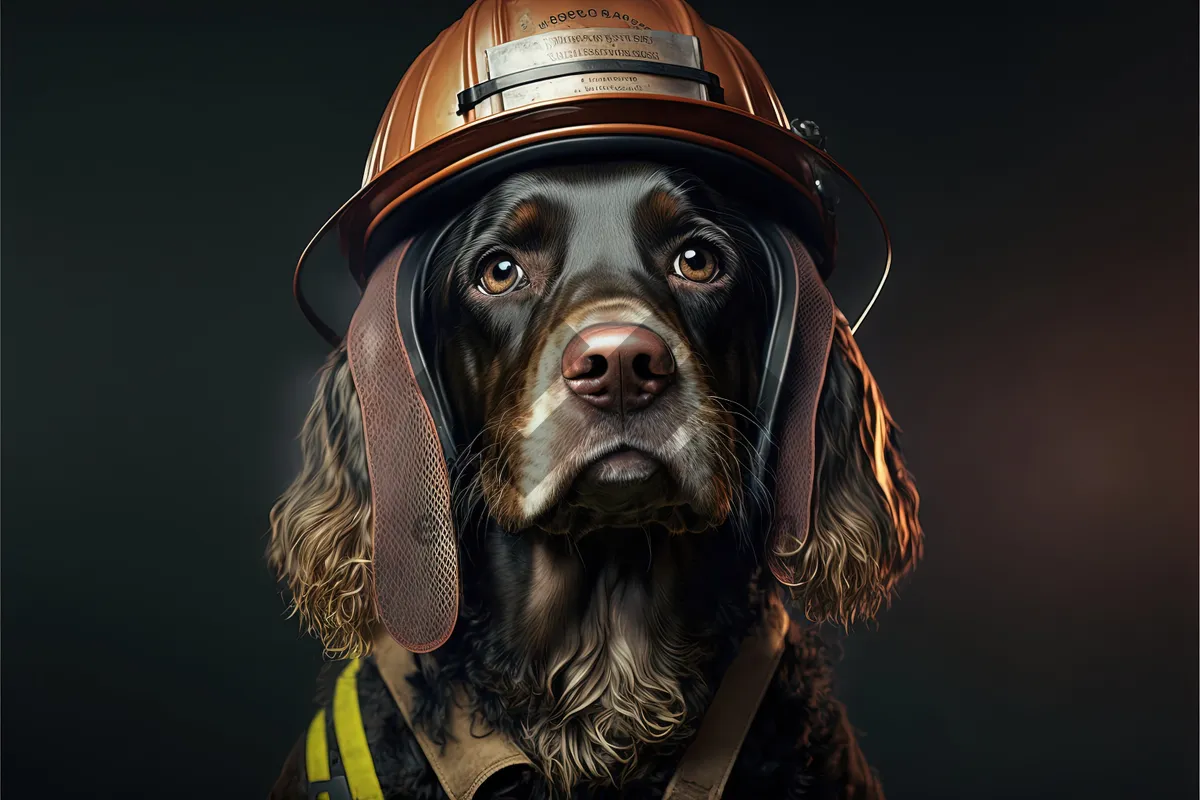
point(603, 661)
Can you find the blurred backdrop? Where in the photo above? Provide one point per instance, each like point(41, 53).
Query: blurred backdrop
point(163, 166)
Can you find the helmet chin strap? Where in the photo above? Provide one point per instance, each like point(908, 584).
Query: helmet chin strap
point(810, 132)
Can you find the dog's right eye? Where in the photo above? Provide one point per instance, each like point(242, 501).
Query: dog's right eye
point(500, 274)
point(696, 264)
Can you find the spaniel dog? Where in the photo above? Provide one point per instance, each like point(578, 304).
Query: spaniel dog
point(600, 337)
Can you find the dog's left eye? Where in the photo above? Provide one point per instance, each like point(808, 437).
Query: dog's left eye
point(500, 275)
point(696, 263)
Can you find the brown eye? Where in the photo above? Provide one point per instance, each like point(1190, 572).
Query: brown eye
point(501, 274)
point(696, 264)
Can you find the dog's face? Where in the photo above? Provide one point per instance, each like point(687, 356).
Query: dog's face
point(600, 332)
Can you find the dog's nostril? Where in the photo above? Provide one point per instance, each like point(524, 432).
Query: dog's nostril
point(644, 368)
point(596, 368)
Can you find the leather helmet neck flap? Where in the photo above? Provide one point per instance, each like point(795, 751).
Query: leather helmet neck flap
point(415, 553)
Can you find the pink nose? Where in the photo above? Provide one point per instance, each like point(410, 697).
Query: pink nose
point(618, 366)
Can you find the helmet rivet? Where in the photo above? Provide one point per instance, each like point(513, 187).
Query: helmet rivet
point(810, 132)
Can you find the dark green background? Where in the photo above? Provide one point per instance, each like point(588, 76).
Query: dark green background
point(163, 166)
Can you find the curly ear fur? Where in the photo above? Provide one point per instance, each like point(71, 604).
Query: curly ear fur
point(863, 533)
point(320, 543)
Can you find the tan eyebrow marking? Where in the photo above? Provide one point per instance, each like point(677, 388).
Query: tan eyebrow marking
point(524, 218)
point(662, 205)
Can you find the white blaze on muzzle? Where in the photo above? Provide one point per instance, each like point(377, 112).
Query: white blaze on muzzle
point(549, 391)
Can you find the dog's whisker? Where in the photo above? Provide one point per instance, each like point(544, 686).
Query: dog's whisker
point(741, 412)
point(573, 546)
point(649, 550)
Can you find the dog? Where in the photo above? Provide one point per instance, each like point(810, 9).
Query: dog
point(601, 331)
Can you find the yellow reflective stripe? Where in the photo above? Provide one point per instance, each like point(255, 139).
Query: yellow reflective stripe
point(352, 738)
point(316, 753)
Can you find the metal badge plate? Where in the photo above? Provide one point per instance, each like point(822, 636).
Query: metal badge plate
point(592, 43)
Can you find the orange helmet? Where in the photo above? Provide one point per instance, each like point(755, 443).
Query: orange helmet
point(519, 82)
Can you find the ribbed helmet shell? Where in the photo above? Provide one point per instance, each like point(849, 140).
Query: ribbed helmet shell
point(424, 106)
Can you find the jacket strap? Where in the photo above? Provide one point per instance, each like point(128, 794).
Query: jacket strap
point(706, 764)
point(466, 760)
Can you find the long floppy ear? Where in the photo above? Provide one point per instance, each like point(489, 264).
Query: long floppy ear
point(321, 526)
point(864, 533)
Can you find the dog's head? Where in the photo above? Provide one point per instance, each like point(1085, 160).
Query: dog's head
point(600, 336)
point(602, 329)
